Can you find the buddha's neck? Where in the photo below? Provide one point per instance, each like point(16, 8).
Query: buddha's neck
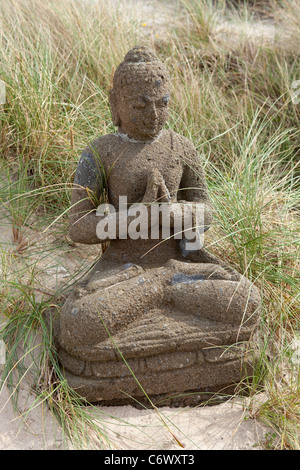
point(125, 137)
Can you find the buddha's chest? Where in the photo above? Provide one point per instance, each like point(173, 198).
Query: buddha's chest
point(130, 168)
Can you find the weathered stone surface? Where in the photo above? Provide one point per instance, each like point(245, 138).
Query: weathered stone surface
point(184, 385)
point(151, 316)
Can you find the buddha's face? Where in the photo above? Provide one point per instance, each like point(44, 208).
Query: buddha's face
point(143, 110)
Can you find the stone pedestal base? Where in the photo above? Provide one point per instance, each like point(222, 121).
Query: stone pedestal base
point(183, 378)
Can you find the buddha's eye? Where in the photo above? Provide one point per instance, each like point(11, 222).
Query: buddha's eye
point(164, 101)
point(140, 105)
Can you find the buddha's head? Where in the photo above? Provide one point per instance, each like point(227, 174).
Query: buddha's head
point(140, 95)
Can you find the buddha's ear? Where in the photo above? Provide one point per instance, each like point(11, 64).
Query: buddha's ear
point(113, 108)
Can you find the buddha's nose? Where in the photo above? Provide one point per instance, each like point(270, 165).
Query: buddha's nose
point(153, 112)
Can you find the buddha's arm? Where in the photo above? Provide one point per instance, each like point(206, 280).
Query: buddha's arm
point(89, 191)
point(193, 188)
point(89, 185)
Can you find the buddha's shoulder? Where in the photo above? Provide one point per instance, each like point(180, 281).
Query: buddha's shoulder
point(185, 148)
point(102, 144)
point(98, 151)
point(178, 142)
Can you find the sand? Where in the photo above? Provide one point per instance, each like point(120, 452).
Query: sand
point(221, 427)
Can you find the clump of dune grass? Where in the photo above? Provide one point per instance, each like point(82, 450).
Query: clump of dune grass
point(233, 99)
point(57, 69)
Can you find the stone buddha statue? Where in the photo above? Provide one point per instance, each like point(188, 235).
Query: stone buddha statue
point(156, 313)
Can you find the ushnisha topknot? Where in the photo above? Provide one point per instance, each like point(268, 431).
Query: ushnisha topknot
point(140, 65)
point(140, 54)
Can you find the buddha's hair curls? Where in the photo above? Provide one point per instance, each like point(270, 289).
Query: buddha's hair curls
point(140, 64)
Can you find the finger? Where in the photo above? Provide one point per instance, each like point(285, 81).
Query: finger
point(164, 195)
point(164, 192)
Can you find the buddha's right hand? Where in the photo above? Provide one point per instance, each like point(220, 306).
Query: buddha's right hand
point(156, 190)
